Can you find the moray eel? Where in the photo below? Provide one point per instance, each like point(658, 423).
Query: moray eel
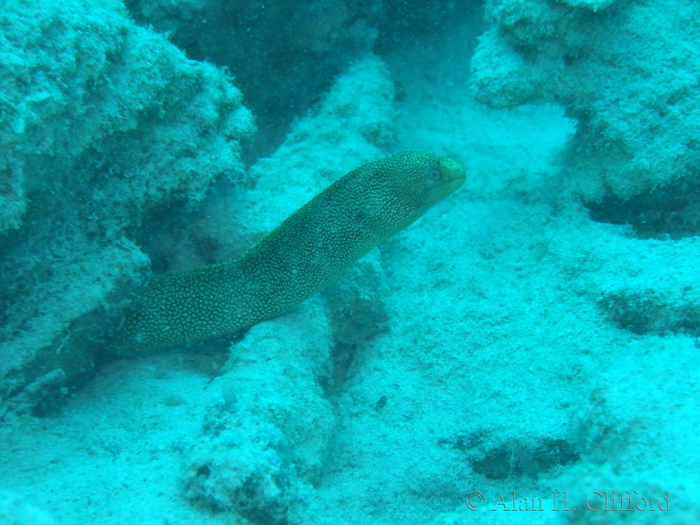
point(304, 254)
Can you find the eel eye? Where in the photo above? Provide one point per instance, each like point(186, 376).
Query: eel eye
point(434, 173)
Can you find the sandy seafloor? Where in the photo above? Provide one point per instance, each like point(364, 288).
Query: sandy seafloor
point(498, 371)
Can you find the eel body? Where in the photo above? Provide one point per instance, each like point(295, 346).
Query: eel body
point(300, 257)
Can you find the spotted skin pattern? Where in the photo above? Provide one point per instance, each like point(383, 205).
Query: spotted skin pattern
point(308, 251)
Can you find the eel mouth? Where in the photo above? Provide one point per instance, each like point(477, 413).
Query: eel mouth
point(453, 174)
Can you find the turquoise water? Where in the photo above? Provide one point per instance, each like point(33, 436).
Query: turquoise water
point(527, 350)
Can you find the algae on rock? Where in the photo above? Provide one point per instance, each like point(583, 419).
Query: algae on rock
point(625, 70)
point(106, 122)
